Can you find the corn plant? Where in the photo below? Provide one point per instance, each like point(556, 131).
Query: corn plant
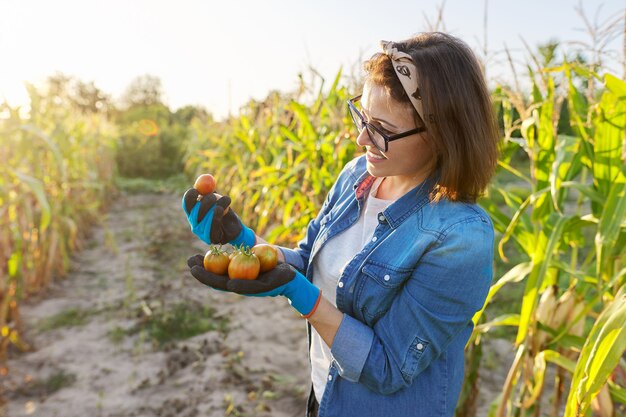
point(278, 159)
point(55, 176)
point(562, 206)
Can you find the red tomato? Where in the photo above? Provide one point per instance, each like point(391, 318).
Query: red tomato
point(267, 254)
point(205, 184)
point(244, 265)
point(216, 261)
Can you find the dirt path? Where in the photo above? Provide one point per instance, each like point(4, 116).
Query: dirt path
point(100, 336)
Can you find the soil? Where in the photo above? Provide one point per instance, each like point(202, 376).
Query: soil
point(95, 350)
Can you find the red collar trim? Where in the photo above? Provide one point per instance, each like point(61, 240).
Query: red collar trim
point(364, 186)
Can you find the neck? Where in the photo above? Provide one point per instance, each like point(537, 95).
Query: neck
point(396, 186)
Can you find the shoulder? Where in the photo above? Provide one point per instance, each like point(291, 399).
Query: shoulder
point(355, 168)
point(342, 188)
point(351, 172)
point(445, 217)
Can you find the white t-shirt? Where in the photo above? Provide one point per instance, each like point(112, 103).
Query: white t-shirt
point(327, 269)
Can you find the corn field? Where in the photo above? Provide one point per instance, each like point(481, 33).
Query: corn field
point(562, 209)
point(558, 204)
point(283, 157)
point(56, 176)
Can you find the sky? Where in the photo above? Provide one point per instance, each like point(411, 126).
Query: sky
point(220, 54)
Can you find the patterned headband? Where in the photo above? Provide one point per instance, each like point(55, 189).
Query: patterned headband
point(407, 74)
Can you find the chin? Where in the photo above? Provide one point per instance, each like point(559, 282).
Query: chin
point(381, 167)
point(371, 169)
point(376, 171)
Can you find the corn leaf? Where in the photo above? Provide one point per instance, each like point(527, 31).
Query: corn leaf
point(544, 250)
point(599, 356)
point(36, 187)
point(515, 274)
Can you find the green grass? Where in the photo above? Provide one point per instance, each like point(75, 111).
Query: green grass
point(175, 184)
point(57, 381)
point(181, 321)
point(116, 335)
point(66, 318)
point(47, 386)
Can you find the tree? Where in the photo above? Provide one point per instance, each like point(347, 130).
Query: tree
point(187, 113)
point(145, 90)
point(90, 99)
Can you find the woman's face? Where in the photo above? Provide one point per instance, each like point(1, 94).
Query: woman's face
point(410, 158)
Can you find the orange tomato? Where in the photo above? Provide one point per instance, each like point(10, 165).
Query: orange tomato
point(244, 265)
point(205, 184)
point(216, 261)
point(267, 254)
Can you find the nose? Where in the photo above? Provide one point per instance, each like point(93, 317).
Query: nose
point(364, 139)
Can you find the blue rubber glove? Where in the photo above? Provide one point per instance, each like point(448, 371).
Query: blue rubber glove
point(282, 280)
point(208, 221)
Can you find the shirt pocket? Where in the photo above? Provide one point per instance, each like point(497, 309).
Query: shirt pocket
point(379, 285)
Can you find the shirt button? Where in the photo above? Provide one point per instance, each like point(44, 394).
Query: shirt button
point(381, 218)
point(340, 284)
point(374, 239)
point(330, 377)
point(386, 277)
point(419, 346)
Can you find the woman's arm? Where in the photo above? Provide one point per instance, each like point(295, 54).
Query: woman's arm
point(326, 320)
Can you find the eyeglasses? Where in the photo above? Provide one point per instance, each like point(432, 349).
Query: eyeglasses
point(376, 134)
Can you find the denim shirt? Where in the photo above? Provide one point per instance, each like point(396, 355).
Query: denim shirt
point(407, 299)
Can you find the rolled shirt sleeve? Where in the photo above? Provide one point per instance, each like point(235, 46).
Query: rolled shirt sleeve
point(293, 258)
point(351, 347)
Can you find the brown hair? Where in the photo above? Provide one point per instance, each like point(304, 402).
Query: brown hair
point(460, 119)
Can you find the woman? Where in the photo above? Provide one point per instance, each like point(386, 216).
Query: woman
point(399, 257)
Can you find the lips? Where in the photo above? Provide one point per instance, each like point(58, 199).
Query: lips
point(374, 157)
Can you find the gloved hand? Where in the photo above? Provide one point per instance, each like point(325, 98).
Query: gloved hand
point(282, 280)
point(211, 225)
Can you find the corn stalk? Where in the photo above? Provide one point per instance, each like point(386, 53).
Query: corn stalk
point(55, 177)
point(562, 209)
point(277, 159)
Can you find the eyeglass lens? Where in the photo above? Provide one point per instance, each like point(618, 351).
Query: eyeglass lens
point(375, 137)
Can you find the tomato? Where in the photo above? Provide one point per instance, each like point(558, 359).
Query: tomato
point(235, 251)
point(216, 261)
point(267, 254)
point(205, 184)
point(244, 265)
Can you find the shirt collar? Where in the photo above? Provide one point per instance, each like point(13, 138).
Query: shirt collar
point(404, 206)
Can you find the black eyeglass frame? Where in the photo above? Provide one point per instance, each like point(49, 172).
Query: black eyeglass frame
point(366, 125)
